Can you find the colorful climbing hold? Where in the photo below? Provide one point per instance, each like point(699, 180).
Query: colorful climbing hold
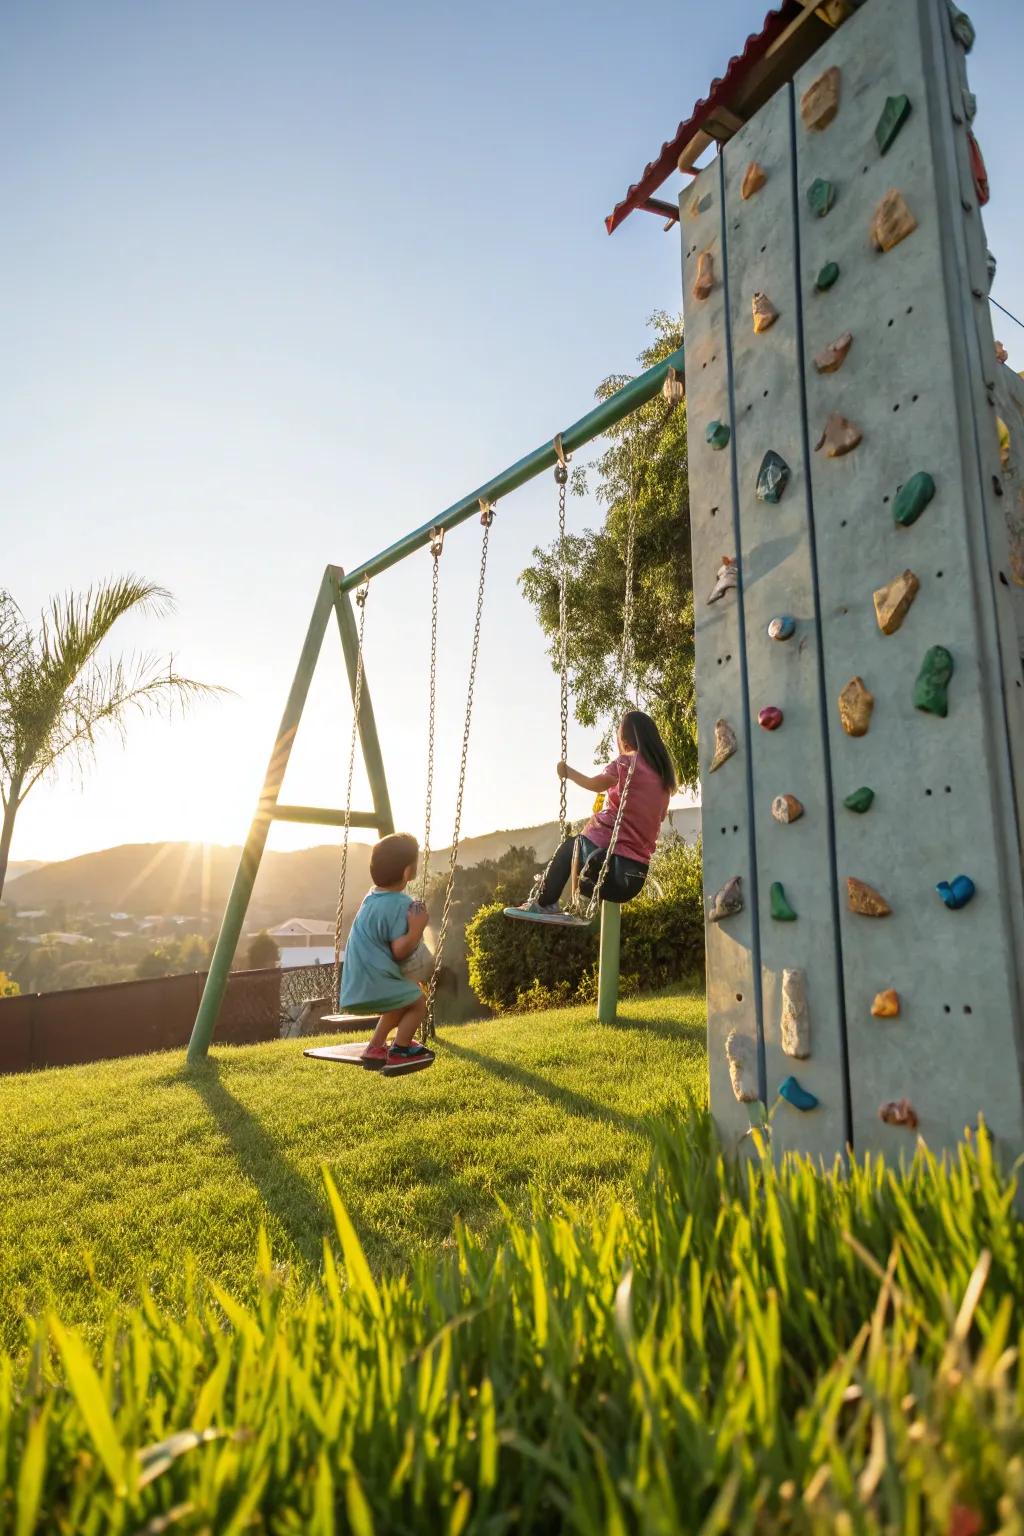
point(838, 437)
point(893, 221)
point(769, 718)
point(820, 102)
point(717, 434)
point(781, 910)
point(787, 808)
point(795, 1022)
point(754, 178)
point(956, 893)
point(912, 498)
point(865, 900)
point(979, 174)
point(991, 267)
point(782, 627)
point(741, 1054)
point(961, 26)
point(772, 477)
point(821, 195)
point(799, 1098)
point(1002, 355)
point(831, 358)
point(899, 1112)
point(894, 115)
point(860, 800)
point(931, 690)
point(726, 902)
point(725, 744)
point(855, 705)
point(674, 388)
point(893, 601)
point(764, 311)
point(705, 279)
point(828, 275)
point(726, 580)
point(970, 105)
point(886, 1005)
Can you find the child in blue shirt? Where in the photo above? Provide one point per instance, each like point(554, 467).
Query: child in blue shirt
point(385, 944)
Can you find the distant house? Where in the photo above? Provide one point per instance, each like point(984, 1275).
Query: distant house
point(64, 938)
point(304, 933)
point(306, 954)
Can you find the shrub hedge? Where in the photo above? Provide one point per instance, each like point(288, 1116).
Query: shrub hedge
point(515, 967)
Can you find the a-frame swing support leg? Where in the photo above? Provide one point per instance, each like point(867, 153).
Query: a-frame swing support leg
point(331, 596)
point(608, 963)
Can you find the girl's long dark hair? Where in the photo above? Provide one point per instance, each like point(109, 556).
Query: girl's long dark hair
point(640, 732)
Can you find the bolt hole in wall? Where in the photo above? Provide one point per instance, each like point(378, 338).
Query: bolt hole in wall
point(1002, 578)
point(739, 997)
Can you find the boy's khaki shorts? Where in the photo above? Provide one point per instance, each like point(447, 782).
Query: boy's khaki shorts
point(420, 964)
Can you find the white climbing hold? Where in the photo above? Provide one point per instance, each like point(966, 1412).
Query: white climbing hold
point(741, 1054)
point(795, 1023)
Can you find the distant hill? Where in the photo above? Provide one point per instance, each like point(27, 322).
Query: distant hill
point(167, 878)
point(18, 867)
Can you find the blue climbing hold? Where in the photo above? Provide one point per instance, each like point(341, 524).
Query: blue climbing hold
point(956, 893)
point(800, 1098)
point(782, 627)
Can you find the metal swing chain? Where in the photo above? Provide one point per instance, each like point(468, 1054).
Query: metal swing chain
point(436, 549)
point(357, 695)
point(561, 479)
point(595, 898)
point(628, 659)
point(429, 1030)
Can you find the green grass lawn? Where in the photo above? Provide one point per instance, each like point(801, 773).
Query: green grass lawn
point(118, 1170)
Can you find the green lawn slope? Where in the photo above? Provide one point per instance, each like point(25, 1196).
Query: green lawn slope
point(113, 1173)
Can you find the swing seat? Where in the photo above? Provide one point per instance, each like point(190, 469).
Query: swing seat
point(351, 1055)
point(552, 919)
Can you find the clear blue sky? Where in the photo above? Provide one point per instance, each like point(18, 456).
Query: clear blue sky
point(283, 280)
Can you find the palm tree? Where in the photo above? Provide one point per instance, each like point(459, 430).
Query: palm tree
point(57, 697)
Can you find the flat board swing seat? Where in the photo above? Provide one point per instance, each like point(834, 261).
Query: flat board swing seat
point(553, 919)
point(351, 1054)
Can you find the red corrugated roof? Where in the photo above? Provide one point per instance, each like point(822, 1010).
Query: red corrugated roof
point(659, 170)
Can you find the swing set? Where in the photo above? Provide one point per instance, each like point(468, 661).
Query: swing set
point(335, 595)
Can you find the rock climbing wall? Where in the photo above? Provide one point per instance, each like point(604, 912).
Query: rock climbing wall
point(861, 713)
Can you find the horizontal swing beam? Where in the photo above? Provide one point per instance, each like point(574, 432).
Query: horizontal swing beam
point(608, 414)
point(321, 816)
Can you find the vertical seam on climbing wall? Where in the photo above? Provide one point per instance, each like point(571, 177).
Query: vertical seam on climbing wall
point(830, 821)
point(755, 905)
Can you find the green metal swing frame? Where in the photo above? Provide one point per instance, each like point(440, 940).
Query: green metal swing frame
point(335, 596)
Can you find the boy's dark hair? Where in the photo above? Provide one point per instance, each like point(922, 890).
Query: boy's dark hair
point(391, 858)
point(640, 732)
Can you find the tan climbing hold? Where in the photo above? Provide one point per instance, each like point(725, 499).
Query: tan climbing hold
point(820, 102)
point(725, 744)
point(855, 706)
point(865, 899)
point(892, 602)
point(1002, 355)
point(741, 1054)
point(893, 221)
point(838, 437)
point(705, 280)
point(787, 808)
point(832, 357)
point(754, 179)
point(899, 1112)
point(795, 1024)
point(765, 313)
point(886, 1005)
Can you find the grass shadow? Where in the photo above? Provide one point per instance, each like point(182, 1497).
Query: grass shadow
point(564, 1098)
point(303, 1215)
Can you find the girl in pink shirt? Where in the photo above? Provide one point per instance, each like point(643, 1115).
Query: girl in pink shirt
point(653, 781)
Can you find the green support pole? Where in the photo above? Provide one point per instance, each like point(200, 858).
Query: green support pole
point(608, 963)
point(252, 853)
point(367, 723)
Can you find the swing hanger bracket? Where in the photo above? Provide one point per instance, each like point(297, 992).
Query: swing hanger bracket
point(486, 511)
point(437, 542)
point(362, 593)
point(562, 467)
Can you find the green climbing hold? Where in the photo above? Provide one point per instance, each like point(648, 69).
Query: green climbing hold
point(912, 498)
point(717, 434)
point(794, 1093)
point(828, 275)
point(931, 691)
point(894, 115)
point(860, 800)
point(822, 197)
point(772, 477)
point(781, 909)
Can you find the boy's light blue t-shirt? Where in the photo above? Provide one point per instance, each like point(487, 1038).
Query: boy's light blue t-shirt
point(371, 977)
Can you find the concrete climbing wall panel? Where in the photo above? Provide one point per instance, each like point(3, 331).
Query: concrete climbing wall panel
point(835, 283)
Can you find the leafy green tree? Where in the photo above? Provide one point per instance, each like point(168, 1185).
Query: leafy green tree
point(263, 952)
point(644, 465)
point(57, 696)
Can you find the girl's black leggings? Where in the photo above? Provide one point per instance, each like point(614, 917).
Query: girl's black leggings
point(624, 880)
